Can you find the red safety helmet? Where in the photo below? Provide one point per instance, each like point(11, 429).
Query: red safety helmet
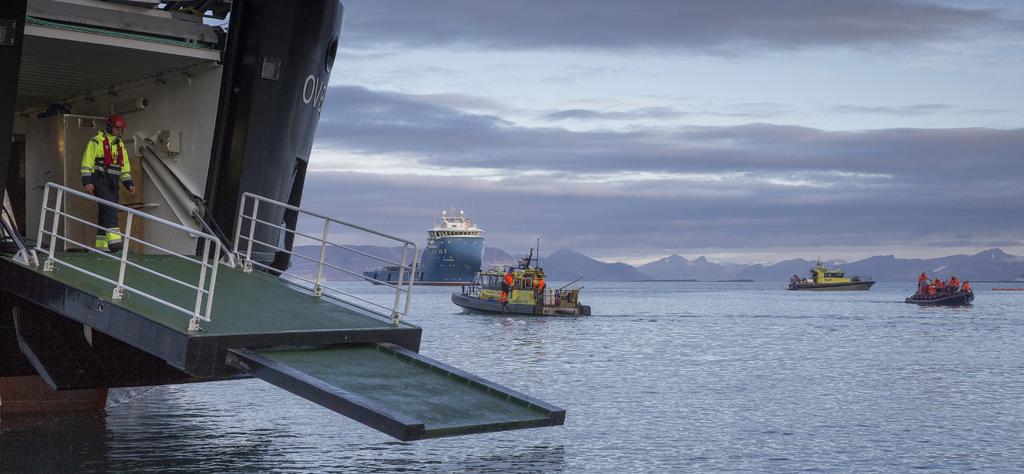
point(116, 121)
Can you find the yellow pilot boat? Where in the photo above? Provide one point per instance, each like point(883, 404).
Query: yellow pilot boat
point(829, 279)
point(520, 290)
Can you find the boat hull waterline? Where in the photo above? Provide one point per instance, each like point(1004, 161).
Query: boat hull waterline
point(960, 298)
point(477, 305)
point(851, 286)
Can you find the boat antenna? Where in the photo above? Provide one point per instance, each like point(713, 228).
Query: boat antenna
point(537, 265)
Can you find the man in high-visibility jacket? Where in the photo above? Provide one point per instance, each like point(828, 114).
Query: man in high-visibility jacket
point(104, 165)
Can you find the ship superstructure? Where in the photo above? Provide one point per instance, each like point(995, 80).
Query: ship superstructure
point(452, 256)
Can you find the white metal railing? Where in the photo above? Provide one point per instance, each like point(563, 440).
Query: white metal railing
point(406, 267)
point(207, 264)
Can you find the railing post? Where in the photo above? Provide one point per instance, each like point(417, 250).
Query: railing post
point(48, 266)
point(247, 267)
point(42, 218)
point(238, 225)
point(317, 289)
point(213, 282)
point(412, 275)
point(193, 325)
point(126, 240)
point(398, 288)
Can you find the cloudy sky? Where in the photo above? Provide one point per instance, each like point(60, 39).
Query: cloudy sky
point(744, 130)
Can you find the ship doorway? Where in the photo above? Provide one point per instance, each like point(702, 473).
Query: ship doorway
point(74, 72)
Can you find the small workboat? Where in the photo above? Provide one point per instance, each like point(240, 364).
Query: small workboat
point(957, 298)
point(829, 279)
point(526, 295)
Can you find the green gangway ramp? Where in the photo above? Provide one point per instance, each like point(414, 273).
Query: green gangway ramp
point(397, 391)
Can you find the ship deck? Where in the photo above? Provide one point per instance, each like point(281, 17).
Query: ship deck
point(244, 303)
point(250, 310)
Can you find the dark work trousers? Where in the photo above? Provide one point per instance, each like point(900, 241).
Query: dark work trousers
point(105, 186)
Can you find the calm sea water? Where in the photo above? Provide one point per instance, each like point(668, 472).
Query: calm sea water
point(665, 377)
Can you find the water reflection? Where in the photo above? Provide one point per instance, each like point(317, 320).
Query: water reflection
point(69, 442)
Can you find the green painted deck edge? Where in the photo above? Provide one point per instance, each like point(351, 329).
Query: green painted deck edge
point(244, 303)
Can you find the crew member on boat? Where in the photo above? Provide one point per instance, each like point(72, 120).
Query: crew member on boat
point(967, 287)
point(104, 164)
point(506, 289)
point(954, 283)
point(922, 280)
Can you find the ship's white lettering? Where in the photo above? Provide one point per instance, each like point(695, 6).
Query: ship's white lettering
point(314, 91)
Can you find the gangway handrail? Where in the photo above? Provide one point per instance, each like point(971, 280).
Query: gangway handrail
point(204, 290)
point(402, 286)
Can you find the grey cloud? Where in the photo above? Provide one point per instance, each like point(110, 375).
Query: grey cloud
point(733, 27)
point(757, 217)
point(360, 120)
point(756, 110)
point(920, 109)
point(906, 186)
point(637, 114)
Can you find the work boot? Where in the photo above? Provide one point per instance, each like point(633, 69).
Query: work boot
point(115, 246)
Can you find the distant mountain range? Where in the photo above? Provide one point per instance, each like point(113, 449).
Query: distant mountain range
point(565, 265)
point(990, 265)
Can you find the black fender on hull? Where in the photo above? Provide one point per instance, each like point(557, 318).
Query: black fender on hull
point(277, 65)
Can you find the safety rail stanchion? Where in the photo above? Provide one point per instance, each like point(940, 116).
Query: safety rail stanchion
point(119, 289)
point(252, 232)
point(318, 290)
point(213, 280)
point(412, 277)
point(193, 325)
point(48, 266)
point(407, 271)
point(42, 219)
point(398, 295)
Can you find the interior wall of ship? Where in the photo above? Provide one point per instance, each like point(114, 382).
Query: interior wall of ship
point(179, 107)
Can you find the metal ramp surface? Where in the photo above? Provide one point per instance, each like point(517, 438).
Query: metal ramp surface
point(397, 391)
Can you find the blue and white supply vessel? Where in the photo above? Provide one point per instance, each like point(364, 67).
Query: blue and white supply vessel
point(453, 255)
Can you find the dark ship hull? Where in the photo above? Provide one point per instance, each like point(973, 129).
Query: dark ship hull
point(450, 261)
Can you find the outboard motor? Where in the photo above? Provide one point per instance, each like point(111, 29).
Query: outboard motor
point(278, 62)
